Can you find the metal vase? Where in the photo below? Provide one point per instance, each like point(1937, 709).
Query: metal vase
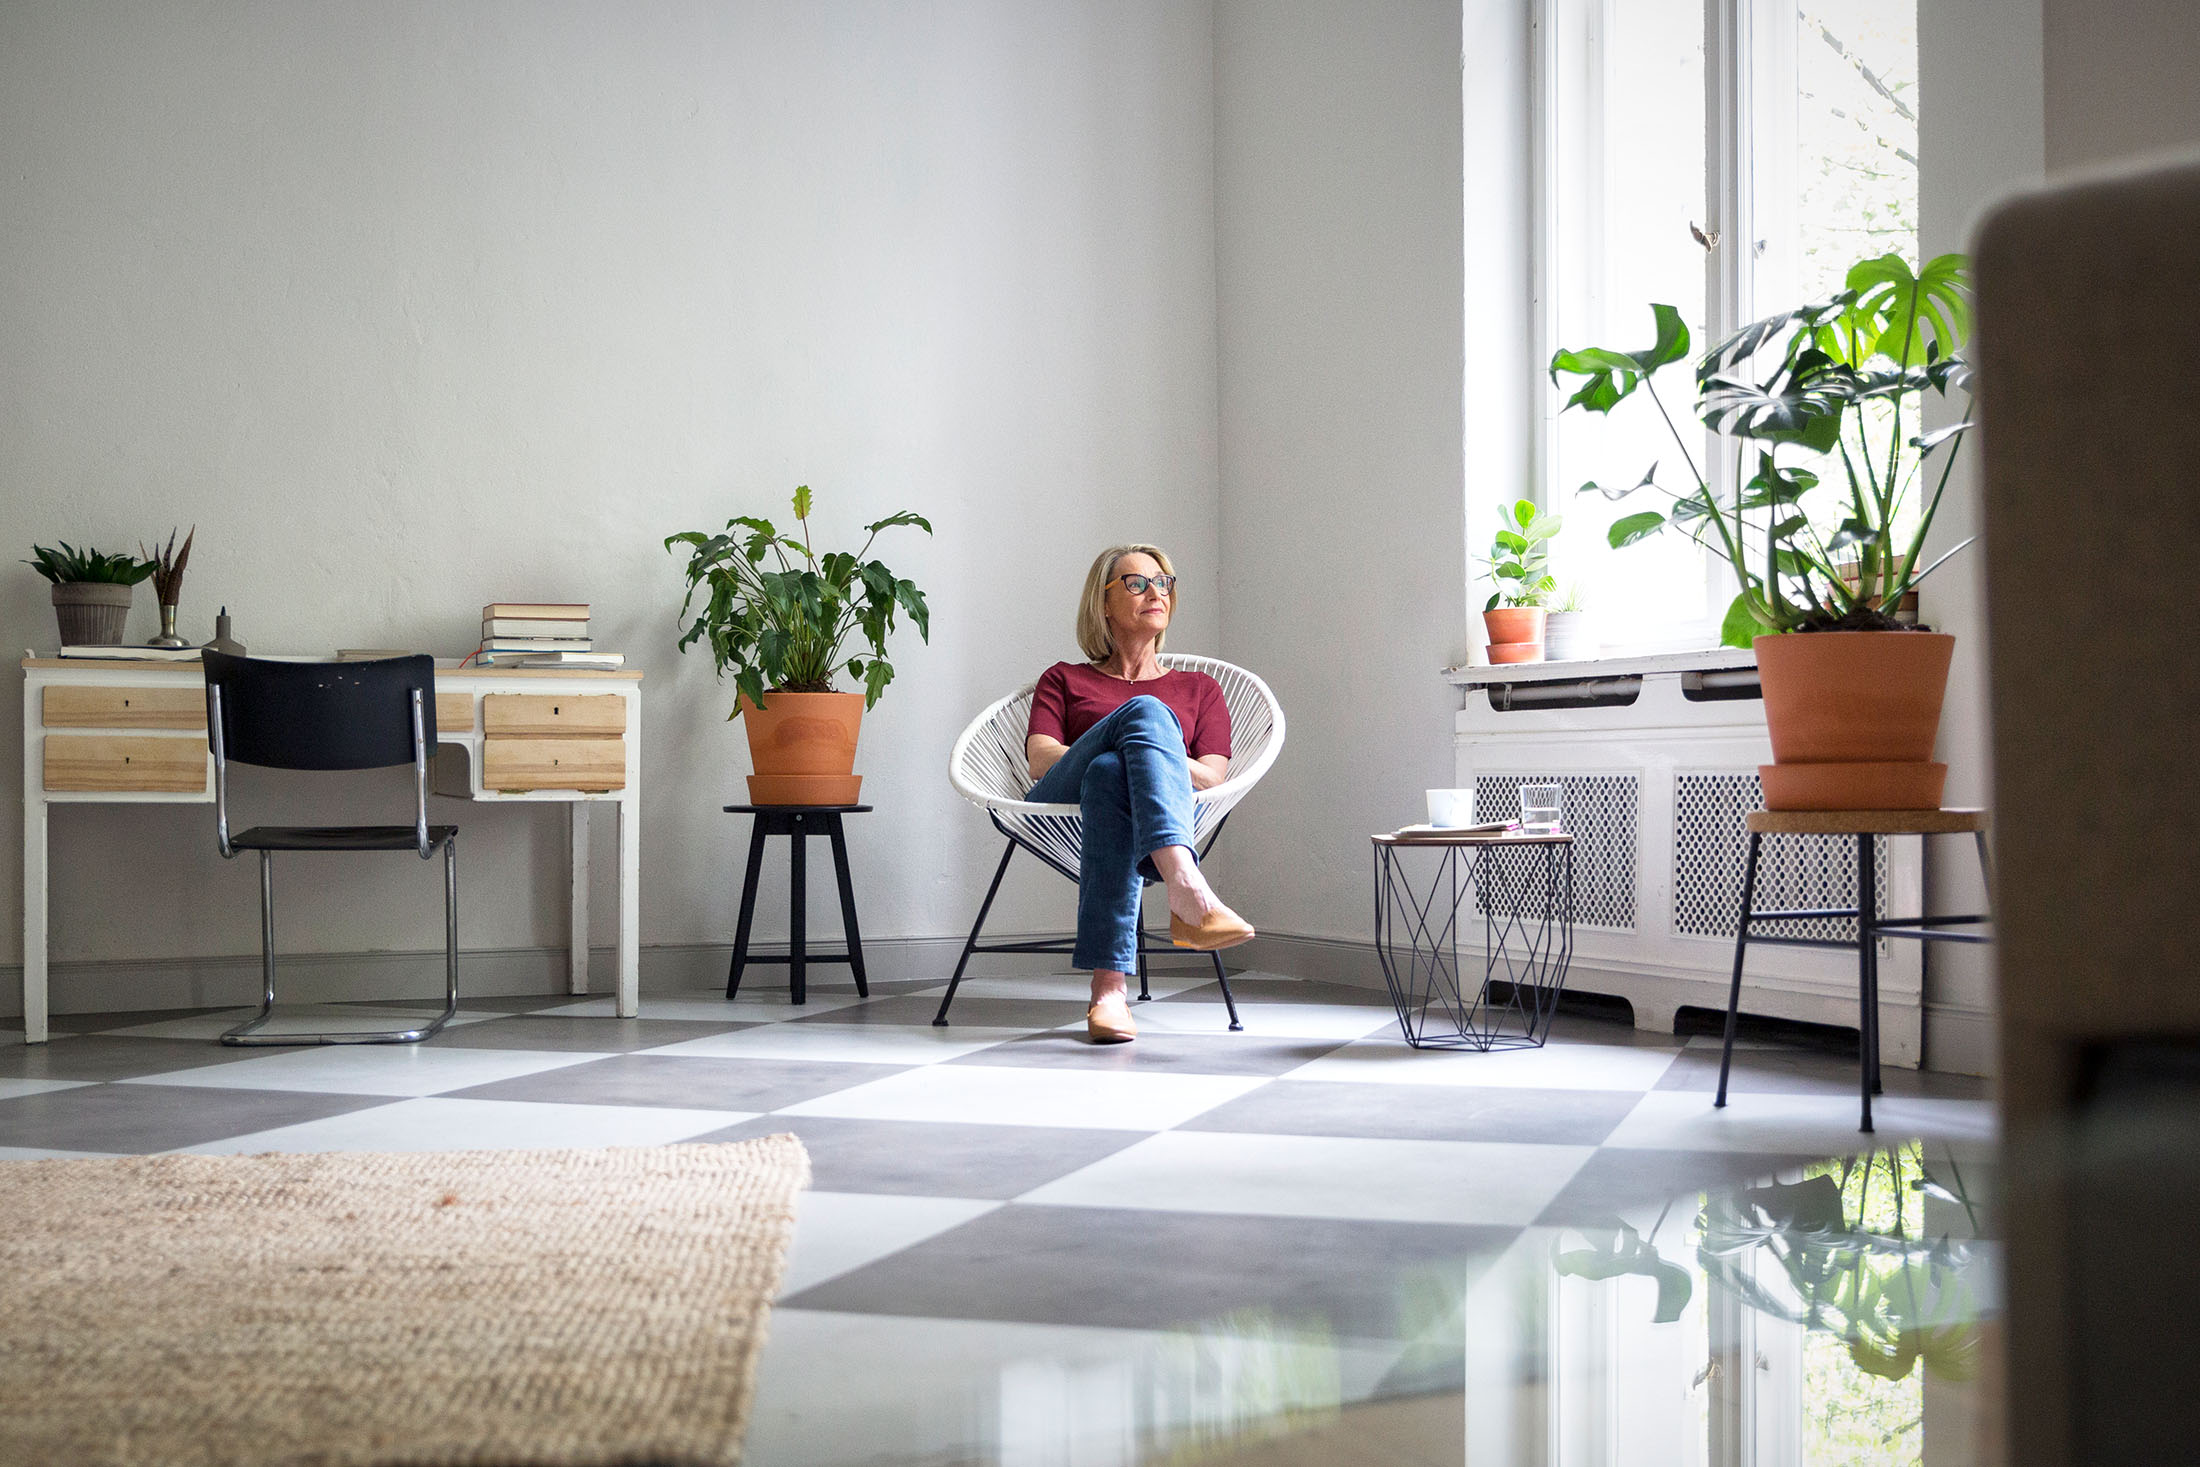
point(168, 637)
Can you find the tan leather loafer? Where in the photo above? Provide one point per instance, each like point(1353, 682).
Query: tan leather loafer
point(1109, 1022)
point(1220, 928)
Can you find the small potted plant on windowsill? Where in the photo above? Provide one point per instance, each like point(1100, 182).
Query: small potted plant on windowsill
point(776, 616)
point(91, 591)
point(1852, 707)
point(1519, 562)
point(1567, 636)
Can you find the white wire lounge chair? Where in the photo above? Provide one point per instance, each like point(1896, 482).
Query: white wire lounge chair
point(988, 768)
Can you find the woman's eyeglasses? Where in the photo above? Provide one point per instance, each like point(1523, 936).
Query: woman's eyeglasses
point(1137, 584)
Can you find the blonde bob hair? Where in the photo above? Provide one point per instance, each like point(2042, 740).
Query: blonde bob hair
point(1093, 637)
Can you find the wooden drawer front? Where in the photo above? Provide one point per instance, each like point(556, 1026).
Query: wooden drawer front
point(591, 715)
point(454, 713)
point(180, 707)
point(553, 764)
point(119, 762)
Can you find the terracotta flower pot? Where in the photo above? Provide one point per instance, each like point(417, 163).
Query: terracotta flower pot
point(1502, 653)
point(803, 747)
point(92, 613)
point(1853, 716)
point(1514, 624)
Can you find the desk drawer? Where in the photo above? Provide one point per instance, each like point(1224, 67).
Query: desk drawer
point(589, 715)
point(552, 764)
point(454, 713)
point(117, 763)
point(68, 707)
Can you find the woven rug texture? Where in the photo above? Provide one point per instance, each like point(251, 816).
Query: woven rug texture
point(489, 1308)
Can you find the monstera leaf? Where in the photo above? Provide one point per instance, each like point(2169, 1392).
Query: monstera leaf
point(1609, 376)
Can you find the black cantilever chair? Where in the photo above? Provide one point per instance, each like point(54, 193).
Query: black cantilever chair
point(329, 715)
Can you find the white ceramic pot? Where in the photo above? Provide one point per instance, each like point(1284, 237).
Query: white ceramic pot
point(1567, 637)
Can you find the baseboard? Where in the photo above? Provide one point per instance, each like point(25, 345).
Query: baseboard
point(128, 985)
point(1962, 1039)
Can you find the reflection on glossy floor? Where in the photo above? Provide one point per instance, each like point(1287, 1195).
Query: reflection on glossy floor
point(1303, 1243)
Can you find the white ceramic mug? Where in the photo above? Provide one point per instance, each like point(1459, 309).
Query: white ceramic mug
point(1450, 809)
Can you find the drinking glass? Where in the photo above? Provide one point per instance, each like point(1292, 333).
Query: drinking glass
point(1539, 809)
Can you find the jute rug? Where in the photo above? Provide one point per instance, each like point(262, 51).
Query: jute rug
point(491, 1308)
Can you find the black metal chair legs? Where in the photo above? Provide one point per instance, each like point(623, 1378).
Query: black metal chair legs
point(1057, 945)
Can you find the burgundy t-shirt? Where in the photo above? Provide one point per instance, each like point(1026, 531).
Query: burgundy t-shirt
point(1073, 696)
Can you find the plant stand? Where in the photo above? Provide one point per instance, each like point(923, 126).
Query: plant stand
point(798, 822)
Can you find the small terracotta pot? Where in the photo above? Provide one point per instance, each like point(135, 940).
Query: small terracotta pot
point(1502, 653)
point(803, 747)
point(1514, 624)
point(1866, 699)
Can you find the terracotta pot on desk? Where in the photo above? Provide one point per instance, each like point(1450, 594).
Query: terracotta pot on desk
point(803, 747)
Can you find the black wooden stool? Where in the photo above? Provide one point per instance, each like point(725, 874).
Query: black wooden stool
point(1867, 826)
point(799, 822)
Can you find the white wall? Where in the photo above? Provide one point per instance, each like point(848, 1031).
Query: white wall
point(1339, 268)
point(2120, 77)
point(410, 307)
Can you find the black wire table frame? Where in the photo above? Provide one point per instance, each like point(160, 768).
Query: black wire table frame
point(1522, 887)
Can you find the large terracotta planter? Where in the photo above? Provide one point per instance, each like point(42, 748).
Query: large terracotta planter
point(1853, 716)
point(803, 747)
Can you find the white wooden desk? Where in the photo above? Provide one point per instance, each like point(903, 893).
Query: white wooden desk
point(99, 732)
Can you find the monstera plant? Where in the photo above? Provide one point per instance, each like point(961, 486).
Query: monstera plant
point(1845, 379)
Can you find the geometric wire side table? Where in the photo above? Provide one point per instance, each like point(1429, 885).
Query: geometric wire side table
point(1523, 886)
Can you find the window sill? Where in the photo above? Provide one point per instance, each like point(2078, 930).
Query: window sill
point(1709, 659)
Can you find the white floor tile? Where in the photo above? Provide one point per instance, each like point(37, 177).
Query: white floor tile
point(1277, 1020)
point(872, 1044)
point(1558, 1065)
point(10, 1089)
point(1016, 1096)
point(305, 1018)
point(370, 1069)
point(835, 1232)
point(480, 1125)
point(37, 1153)
point(1686, 1120)
point(1321, 1176)
point(1067, 987)
point(765, 1007)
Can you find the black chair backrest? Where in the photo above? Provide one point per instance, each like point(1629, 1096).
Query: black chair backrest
point(320, 715)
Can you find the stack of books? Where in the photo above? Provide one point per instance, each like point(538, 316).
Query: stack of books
point(540, 634)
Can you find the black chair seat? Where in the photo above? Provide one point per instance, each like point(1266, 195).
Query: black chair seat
point(339, 838)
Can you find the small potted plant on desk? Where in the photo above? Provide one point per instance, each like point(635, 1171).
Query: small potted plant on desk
point(91, 591)
point(1519, 562)
point(776, 616)
point(1852, 693)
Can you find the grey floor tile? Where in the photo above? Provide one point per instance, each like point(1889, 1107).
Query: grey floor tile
point(134, 1119)
point(996, 1013)
point(94, 1023)
point(1617, 1178)
point(111, 1057)
point(577, 1036)
point(680, 1081)
point(1155, 1270)
point(1254, 988)
point(1806, 1072)
point(934, 1159)
point(509, 1003)
point(1193, 1054)
point(1421, 1112)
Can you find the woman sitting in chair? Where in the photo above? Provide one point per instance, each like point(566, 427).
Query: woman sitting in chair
point(1128, 741)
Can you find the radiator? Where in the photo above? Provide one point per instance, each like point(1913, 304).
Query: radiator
point(1656, 760)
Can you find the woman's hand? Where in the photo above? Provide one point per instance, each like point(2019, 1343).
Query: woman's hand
point(1043, 753)
point(1209, 771)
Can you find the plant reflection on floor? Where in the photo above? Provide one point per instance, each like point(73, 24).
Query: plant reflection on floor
point(1842, 1264)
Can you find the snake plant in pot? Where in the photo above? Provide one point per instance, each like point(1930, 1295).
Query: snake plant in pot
point(1821, 562)
point(778, 616)
point(91, 591)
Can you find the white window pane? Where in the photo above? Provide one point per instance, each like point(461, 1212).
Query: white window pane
point(1627, 181)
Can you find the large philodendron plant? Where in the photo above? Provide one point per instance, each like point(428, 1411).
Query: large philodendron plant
point(1848, 376)
point(777, 613)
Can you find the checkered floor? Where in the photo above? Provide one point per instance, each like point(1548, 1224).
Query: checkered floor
point(1017, 1240)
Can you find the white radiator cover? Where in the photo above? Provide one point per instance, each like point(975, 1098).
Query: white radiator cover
point(1654, 793)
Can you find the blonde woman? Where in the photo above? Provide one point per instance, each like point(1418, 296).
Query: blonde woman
point(1128, 741)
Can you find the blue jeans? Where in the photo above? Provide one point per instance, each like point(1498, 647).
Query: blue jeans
point(1132, 778)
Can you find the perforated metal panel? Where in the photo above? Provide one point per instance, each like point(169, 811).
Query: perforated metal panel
point(1600, 811)
point(1711, 845)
